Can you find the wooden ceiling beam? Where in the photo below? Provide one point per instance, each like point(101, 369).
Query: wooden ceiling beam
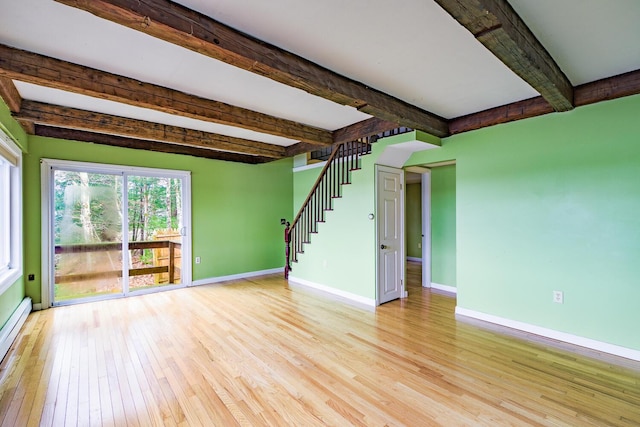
point(619, 86)
point(192, 30)
point(301, 148)
point(137, 144)
point(362, 129)
point(10, 94)
point(625, 84)
point(506, 113)
point(498, 27)
point(65, 117)
point(41, 70)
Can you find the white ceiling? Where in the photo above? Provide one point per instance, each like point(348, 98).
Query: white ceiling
point(589, 39)
point(411, 49)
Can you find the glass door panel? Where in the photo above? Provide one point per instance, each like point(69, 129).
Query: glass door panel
point(155, 231)
point(87, 221)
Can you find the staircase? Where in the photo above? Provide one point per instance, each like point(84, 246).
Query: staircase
point(344, 159)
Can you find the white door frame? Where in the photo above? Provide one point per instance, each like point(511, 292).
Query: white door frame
point(425, 210)
point(402, 257)
point(426, 217)
point(426, 228)
point(46, 174)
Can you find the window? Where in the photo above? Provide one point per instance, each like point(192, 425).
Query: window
point(10, 212)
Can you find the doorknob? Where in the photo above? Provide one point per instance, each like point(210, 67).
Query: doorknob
point(384, 247)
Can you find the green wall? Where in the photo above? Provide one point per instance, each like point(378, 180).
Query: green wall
point(11, 298)
point(551, 203)
point(236, 208)
point(413, 220)
point(443, 225)
point(343, 253)
point(12, 127)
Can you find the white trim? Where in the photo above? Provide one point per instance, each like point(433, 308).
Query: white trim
point(343, 295)
point(414, 259)
point(8, 279)
point(426, 227)
point(36, 307)
point(417, 169)
point(311, 166)
point(445, 288)
point(10, 330)
point(115, 169)
point(9, 150)
point(13, 243)
point(124, 232)
point(553, 334)
point(212, 280)
point(438, 164)
point(317, 165)
point(186, 275)
point(46, 227)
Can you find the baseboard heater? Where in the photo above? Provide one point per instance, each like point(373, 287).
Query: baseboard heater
point(10, 330)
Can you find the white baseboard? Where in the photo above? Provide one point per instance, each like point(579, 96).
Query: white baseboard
point(412, 258)
point(347, 297)
point(37, 307)
point(239, 276)
point(10, 330)
point(446, 288)
point(550, 333)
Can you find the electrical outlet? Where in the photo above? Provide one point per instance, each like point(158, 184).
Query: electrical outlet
point(558, 297)
point(419, 245)
point(197, 260)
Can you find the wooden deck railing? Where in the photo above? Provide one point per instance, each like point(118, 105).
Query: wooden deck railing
point(172, 268)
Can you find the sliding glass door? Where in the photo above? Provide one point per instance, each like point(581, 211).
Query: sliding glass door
point(114, 231)
point(88, 238)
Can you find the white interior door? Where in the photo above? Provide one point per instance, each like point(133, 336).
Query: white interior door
point(390, 214)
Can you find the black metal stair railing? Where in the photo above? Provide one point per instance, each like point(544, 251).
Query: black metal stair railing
point(344, 158)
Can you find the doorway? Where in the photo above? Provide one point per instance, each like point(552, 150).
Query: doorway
point(113, 231)
point(434, 226)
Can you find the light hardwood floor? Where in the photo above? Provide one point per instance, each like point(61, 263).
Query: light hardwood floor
point(256, 353)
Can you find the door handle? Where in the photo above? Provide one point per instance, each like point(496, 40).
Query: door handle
point(384, 247)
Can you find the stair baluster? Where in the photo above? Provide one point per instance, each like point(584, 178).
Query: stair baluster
point(344, 158)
